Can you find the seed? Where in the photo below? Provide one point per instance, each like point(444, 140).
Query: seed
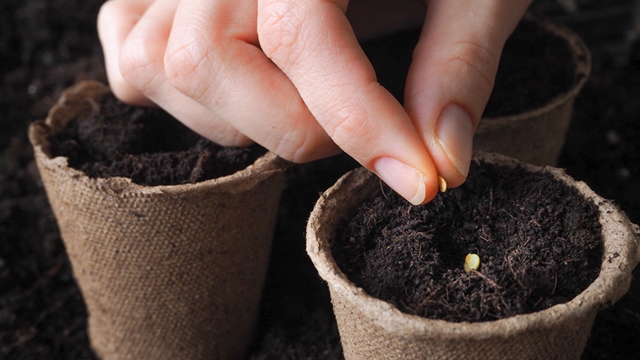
point(471, 262)
point(442, 184)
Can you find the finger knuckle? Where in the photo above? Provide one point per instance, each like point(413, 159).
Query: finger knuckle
point(279, 29)
point(348, 124)
point(297, 146)
point(137, 63)
point(188, 65)
point(473, 58)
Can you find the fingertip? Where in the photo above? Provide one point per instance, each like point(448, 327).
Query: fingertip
point(452, 75)
point(431, 189)
point(115, 21)
point(430, 194)
point(413, 185)
point(127, 93)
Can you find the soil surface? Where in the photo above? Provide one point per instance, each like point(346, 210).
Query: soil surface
point(146, 145)
point(48, 45)
point(535, 67)
point(538, 240)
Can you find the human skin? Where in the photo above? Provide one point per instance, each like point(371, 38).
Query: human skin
point(291, 76)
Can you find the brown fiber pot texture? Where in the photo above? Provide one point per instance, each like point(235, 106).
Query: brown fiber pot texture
point(537, 136)
point(374, 329)
point(167, 272)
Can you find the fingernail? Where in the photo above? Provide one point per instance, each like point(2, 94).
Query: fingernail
point(405, 180)
point(454, 132)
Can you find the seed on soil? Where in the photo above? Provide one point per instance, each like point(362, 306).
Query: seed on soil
point(471, 262)
point(442, 184)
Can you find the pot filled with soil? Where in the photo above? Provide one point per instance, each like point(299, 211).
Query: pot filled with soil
point(168, 234)
point(514, 264)
point(542, 69)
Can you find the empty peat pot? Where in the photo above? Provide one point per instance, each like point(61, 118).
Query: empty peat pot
point(168, 271)
point(371, 328)
point(535, 135)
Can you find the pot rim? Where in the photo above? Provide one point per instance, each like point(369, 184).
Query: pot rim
point(84, 97)
point(582, 60)
point(620, 255)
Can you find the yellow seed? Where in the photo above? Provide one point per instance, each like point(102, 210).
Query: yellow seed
point(471, 262)
point(442, 184)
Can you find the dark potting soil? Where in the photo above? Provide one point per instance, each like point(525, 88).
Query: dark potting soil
point(535, 67)
point(539, 243)
point(296, 320)
point(147, 145)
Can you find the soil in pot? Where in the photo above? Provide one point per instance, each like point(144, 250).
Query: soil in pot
point(147, 145)
point(539, 243)
point(535, 67)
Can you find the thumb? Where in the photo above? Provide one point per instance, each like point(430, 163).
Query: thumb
point(452, 75)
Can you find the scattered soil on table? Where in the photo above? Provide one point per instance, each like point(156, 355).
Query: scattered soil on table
point(602, 149)
point(147, 145)
point(45, 47)
point(296, 320)
point(42, 315)
point(539, 242)
point(535, 67)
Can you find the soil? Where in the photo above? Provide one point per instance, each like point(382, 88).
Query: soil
point(48, 45)
point(539, 243)
point(534, 68)
point(146, 145)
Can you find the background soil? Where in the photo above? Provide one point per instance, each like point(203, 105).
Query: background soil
point(48, 45)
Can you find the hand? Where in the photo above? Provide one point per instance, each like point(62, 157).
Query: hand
point(290, 75)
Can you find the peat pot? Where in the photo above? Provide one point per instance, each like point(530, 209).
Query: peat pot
point(167, 272)
point(371, 328)
point(537, 136)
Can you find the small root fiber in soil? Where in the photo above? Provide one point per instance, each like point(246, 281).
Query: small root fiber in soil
point(539, 243)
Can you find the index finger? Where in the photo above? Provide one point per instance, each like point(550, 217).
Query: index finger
point(312, 42)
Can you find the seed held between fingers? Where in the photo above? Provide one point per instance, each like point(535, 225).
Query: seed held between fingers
point(471, 262)
point(442, 184)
